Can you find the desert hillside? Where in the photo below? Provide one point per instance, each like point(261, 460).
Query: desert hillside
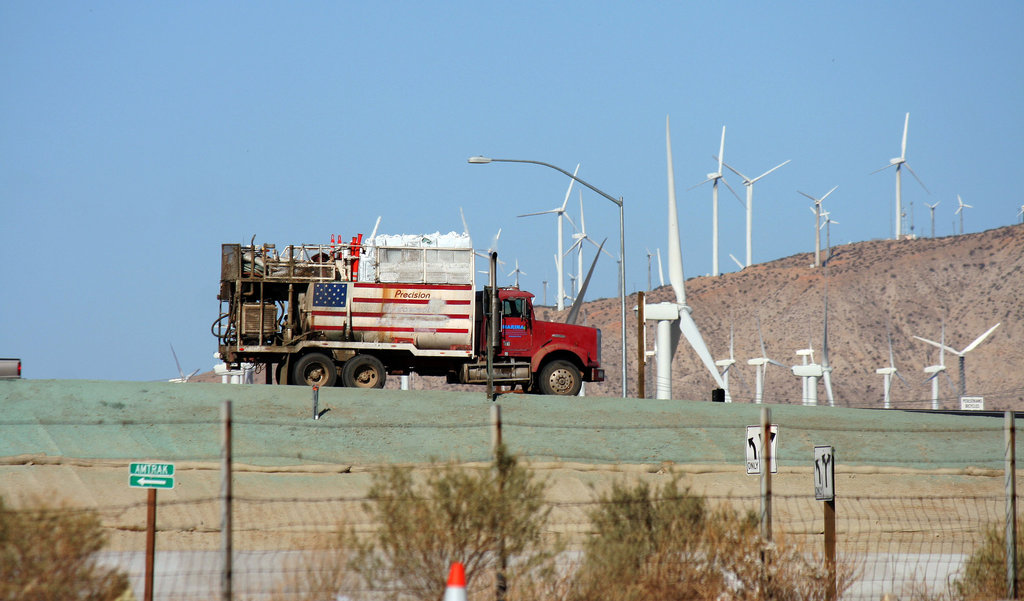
point(907, 287)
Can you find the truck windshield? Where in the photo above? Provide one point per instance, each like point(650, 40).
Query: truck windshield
point(512, 307)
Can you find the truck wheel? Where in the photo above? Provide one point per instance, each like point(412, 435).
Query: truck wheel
point(561, 378)
point(363, 371)
point(315, 369)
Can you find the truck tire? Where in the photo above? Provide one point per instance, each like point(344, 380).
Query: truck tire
point(315, 369)
point(363, 371)
point(561, 378)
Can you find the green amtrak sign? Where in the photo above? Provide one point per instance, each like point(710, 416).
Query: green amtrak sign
point(151, 475)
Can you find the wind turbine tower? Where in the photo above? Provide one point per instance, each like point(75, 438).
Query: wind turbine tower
point(817, 223)
point(714, 179)
point(935, 370)
point(887, 373)
point(749, 183)
point(899, 162)
point(760, 365)
point(667, 313)
point(931, 209)
point(559, 263)
point(960, 354)
point(960, 211)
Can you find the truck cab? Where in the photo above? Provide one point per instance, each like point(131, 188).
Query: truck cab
point(560, 356)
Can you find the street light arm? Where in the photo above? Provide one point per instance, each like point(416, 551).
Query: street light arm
point(485, 160)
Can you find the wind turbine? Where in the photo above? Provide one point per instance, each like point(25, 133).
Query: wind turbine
point(960, 211)
point(560, 212)
point(749, 183)
point(661, 274)
point(714, 178)
point(649, 255)
point(182, 379)
point(579, 238)
point(887, 373)
point(899, 162)
point(827, 224)
point(817, 223)
point(480, 253)
point(810, 372)
point(727, 364)
point(934, 370)
point(970, 347)
point(516, 272)
point(668, 312)
point(761, 367)
point(931, 209)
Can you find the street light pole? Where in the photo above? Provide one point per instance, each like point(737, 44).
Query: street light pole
point(622, 243)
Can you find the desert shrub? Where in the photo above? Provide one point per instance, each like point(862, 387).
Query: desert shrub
point(48, 553)
point(667, 543)
point(455, 514)
point(984, 575)
point(318, 573)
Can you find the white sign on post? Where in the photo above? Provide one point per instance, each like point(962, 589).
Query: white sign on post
point(972, 403)
point(824, 473)
point(753, 449)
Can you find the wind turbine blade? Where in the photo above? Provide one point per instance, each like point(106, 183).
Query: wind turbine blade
point(569, 219)
point(769, 171)
point(569, 191)
point(373, 234)
point(746, 180)
point(827, 376)
point(689, 329)
point(892, 361)
point(465, 228)
point(539, 213)
point(737, 261)
point(742, 203)
point(902, 379)
point(194, 372)
point(661, 276)
point(827, 194)
point(764, 353)
point(774, 362)
point(675, 252)
point(881, 169)
point(180, 372)
point(903, 147)
point(971, 346)
point(808, 196)
point(591, 240)
point(575, 245)
point(575, 310)
point(721, 152)
point(941, 346)
point(700, 184)
point(907, 165)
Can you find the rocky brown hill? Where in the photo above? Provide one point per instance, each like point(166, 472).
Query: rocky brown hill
point(907, 288)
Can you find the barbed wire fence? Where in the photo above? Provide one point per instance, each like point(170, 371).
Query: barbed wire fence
point(915, 538)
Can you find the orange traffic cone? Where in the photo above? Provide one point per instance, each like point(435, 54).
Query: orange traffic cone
point(456, 590)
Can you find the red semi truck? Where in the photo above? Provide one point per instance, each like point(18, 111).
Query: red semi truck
point(349, 314)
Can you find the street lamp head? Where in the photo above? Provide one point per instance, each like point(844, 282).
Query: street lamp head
point(480, 160)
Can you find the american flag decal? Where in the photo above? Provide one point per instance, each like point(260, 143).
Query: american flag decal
point(329, 301)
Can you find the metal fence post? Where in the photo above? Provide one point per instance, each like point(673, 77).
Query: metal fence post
point(225, 494)
point(766, 473)
point(1011, 506)
point(501, 584)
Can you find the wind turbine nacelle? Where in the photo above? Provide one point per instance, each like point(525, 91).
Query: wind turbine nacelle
point(714, 175)
point(757, 362)
point(934, 369)
point(885, 371)
point(896, 161)
point(724, 362)
point(661, 312)
point(808, 371)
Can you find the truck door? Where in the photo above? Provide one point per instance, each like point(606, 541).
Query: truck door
point(516, 333)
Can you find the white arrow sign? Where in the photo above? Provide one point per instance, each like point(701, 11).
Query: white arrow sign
point(753, 449)
point(824, 473)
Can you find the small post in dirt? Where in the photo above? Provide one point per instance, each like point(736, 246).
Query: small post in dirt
point(147, 593)
point(641, 347)
point(501, 585)
point(316, 402)
point(766, 473)
point(225, 495)
point(825, 490)
point(1011, 506)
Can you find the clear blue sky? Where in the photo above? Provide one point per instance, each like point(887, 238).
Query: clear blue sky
point(135, 138)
